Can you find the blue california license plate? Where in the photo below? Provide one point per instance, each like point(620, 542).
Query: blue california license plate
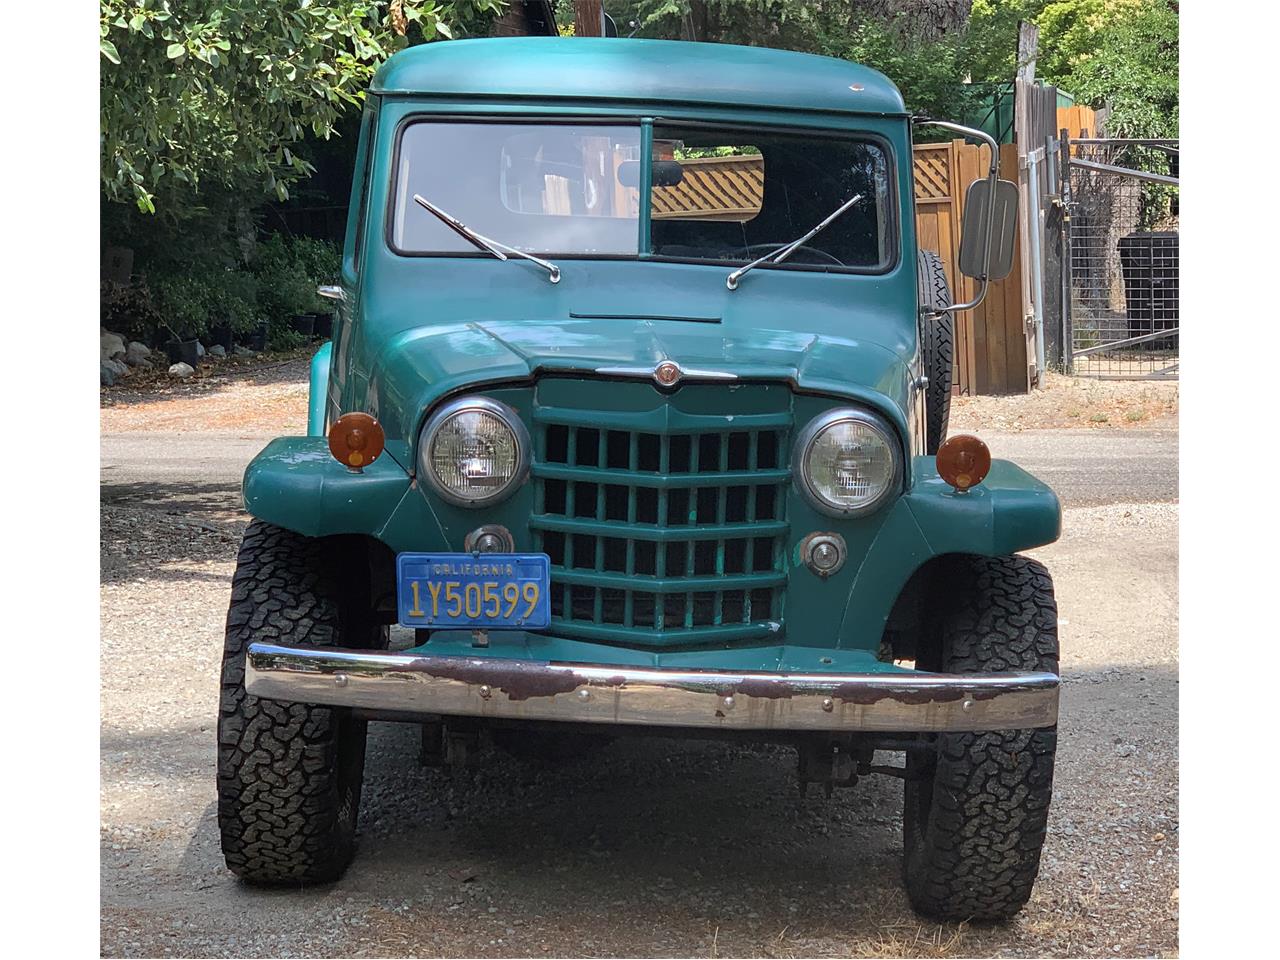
point(487, 591)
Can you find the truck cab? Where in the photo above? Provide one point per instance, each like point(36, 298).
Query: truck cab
point(634, 421)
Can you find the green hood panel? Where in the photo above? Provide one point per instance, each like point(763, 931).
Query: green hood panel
point(419, 367)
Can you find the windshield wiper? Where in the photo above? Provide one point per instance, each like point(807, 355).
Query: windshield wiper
point(487, 244)
point(777, 256)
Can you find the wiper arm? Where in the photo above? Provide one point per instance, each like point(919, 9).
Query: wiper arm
point(481, 242)
point(777, 256)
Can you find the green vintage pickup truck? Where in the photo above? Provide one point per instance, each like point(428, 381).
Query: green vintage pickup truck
point(635, 421)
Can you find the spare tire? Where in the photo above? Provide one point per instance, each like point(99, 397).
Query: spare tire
point(937, 343)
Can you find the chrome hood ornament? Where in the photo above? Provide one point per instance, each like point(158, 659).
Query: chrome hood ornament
point(667, 373)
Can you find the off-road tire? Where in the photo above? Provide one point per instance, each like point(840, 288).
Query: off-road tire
point(937, 342)
point(975, 814)
point(289, 774)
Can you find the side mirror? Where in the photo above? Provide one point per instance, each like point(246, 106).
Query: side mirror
point(973, 229)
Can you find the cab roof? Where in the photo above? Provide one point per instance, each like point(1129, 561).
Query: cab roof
point(637, 71)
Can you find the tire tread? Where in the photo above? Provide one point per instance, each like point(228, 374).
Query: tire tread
point(976, 853)
point(288, 773)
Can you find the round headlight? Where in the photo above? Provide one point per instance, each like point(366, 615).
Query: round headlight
point(846, 462)
point(474, 451)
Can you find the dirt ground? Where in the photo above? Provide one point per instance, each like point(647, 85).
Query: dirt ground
point(1070, 402)
point(648, 847)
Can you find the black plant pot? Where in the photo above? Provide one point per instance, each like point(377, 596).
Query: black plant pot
point(304, 323)
point(183, 351)
point(257, 340)
point(221, 335)
point(324, 325)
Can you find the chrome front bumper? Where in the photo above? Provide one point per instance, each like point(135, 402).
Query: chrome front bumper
point(530, 690)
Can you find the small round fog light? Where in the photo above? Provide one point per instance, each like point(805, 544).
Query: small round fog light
point(963, 461)
point(823, 553)
point(356, 440)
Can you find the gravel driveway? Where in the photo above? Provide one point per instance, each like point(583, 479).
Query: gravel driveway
point(649, 847)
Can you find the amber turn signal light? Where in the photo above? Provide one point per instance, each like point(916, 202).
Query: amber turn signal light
point(963, 461)
point(356, 439)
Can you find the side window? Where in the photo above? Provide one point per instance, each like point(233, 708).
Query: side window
point(360, 187)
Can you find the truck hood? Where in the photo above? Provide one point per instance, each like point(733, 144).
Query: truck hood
point(419, 366)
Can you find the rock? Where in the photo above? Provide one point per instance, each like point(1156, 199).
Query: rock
point(144, 365)
point(243, 351)
point(199, 349)
point(136, 353)
point(106, 375)
point(118, 368)
point(112, 345)
point(217, 350)
point(182, 371)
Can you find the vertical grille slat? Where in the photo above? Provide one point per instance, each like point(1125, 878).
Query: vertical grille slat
point(671, 560)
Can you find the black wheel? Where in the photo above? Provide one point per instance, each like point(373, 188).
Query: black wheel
point(289, 774)
point(937, 340)
point(976, 808)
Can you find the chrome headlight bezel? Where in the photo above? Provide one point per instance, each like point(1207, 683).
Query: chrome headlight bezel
point(431, 430)
point(815, 428)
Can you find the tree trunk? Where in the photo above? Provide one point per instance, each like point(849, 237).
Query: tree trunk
point(919, 19)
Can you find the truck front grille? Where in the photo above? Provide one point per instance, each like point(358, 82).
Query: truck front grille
point(663, 526)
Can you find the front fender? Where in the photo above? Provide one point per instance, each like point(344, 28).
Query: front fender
point(1009, 511)
point(319, 389)
point(296, 483)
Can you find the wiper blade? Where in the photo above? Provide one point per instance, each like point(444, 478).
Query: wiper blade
point(481, 242)
point(777, 256)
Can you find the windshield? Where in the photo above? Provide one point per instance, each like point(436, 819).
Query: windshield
point(717, 195)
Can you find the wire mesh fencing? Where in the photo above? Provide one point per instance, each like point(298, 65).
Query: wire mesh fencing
point(1124, 316)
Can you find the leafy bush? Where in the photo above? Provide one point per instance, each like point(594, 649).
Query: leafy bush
point(183, 305)
point(320, 260)
point(288, 270)
point(284, 337)
point(129, 309)
point(233, 299)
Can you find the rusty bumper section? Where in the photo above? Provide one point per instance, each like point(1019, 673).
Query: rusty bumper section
point(517, 689)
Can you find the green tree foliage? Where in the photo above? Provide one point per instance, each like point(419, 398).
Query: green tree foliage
point(1134, 68)
point(220, 91)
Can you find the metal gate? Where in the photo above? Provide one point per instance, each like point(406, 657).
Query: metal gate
point(1123, 253)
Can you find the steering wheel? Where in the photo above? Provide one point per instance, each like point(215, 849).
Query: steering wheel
point(760, 249)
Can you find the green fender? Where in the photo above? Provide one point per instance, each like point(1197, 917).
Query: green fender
point(296, 483)
point(1009, 511)
point(319, 389)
